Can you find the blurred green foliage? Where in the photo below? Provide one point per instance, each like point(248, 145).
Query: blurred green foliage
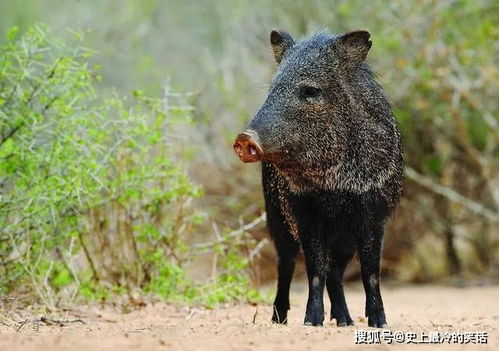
point(93, 199)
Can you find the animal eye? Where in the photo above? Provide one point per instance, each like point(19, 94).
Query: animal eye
point(308, 92)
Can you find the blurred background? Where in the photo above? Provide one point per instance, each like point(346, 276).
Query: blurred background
point(206, 65)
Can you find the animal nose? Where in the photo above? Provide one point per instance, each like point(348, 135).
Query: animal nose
point(247, 148)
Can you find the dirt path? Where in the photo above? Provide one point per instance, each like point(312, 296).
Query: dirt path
point(163, 327)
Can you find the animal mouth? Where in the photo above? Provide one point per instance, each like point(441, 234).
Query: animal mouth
point(281, 159)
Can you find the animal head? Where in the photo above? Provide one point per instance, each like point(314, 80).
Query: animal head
point(326, 122)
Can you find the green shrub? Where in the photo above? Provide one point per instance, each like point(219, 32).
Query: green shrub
point(93, 199)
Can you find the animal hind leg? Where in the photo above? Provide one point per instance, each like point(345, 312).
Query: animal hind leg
point(334, 284)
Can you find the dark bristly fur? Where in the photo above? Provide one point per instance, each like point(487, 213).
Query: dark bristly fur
point(332, 168)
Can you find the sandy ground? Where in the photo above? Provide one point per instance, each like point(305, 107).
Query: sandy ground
point(244, 327)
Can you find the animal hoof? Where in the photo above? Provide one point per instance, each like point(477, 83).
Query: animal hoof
point(376, 318)
point(312, 324)
point(377, 321)
point(375, 325)
point(277, 321)
point(342, 320)
point(280, 317)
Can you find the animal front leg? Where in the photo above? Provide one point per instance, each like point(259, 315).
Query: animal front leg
point(370, 240)
point(287, 249)
point(317, 267)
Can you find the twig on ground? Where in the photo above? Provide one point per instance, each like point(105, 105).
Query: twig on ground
point(440, 325)
point(61, 323)
point(256, 313)
point(22, 325)
point(193, 312)
point(3, 323)
point(49, 321)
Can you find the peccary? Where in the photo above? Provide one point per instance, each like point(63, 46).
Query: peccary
point(332, 168)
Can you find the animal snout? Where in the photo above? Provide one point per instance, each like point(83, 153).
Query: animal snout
point(247, 148)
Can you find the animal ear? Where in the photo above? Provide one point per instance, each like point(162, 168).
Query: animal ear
point(281, 41)
point(355, 45)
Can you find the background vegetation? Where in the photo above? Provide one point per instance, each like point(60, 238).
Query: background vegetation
point(117, 174)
